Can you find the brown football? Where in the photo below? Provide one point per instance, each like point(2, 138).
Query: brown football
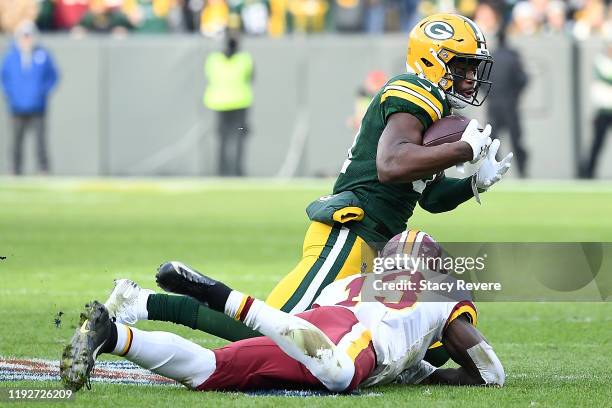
point(446, 130)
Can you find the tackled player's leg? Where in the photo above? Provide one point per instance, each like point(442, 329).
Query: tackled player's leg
point(163, 353)
point(334, 363)
point(329, 253)
point(334, 347)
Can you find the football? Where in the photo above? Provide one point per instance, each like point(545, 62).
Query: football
point(446, 130)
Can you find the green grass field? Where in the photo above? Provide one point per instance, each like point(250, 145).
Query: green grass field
point(66, 240)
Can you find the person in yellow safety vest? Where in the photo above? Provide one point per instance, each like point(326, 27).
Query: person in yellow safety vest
point(230, 93)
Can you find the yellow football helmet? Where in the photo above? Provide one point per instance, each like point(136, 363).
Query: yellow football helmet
point(442, 40)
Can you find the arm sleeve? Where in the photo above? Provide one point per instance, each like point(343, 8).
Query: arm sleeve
point(445, 194)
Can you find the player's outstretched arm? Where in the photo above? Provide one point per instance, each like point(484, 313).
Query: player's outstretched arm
point(401, 158)
point(468, 348)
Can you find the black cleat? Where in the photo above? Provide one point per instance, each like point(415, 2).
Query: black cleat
point(80, 355)
point(176, 277)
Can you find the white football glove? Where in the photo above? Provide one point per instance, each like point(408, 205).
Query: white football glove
point(478, 141)
point(491, 171)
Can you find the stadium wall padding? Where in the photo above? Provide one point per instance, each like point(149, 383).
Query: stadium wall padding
point(132, 106)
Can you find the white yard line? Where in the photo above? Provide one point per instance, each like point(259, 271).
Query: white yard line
point(253, 184)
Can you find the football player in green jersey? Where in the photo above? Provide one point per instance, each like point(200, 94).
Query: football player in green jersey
point(386, 174)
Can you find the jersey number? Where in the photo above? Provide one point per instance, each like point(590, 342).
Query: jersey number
point(350, 153)
point(408, 298)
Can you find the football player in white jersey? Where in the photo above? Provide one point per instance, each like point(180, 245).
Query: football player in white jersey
point(350, 338)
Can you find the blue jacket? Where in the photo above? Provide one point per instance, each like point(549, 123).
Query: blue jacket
point(27, 89)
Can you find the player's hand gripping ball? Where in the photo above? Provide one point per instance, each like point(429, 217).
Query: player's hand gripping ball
point(454, 128)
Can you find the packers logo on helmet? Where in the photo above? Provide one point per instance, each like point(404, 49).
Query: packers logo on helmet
point(450, 50)
point(439, 30)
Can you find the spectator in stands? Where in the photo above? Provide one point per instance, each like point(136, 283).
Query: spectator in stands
point(148, 16)
point(176, 17)
point(254, 15)
point(524, 19)
point(191, 10)
point(591, 19)
point(278, 17)
point(381, 15)
point(510, 80)
point(556, 17)
point(215, 18)
point(349, 15)
point(68, 13)
point(375, 14)
point(487, 17)
point(540, 10)
point(103, 16)
point(28, 77)
point(44, 19)
point(308, 16)
point(408, 14)
point(14, 12)
point(602, 100)
point(229, 93)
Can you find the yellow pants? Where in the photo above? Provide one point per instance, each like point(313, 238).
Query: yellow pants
point(329, 253)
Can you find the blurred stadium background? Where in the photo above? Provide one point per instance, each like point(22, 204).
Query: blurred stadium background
point(129, 101)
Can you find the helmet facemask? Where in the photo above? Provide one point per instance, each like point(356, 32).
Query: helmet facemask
point(473, 68)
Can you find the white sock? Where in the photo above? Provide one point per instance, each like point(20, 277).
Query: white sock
point(235, 303)
point(166, 354)
point(124, 339)
point(141, 304)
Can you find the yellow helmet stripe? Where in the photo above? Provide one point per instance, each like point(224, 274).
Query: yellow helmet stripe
point(422, 91)
point(478, 36)
point(411, 98)
point(410, 240)
point(474, 27)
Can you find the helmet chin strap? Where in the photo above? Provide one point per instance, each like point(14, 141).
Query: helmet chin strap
point(456, 102)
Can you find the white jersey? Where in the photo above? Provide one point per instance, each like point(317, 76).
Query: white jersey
point(402, 328)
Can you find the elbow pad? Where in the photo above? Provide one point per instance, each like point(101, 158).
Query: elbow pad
point(489, 366)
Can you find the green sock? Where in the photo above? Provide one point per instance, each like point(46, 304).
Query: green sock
point(221, 325)
point(191, 313)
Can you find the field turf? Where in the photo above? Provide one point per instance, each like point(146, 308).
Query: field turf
point(65, 240)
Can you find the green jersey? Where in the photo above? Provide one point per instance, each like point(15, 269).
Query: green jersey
point(388, 206)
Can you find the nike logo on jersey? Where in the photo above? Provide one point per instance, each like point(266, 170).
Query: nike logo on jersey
point(428, 87)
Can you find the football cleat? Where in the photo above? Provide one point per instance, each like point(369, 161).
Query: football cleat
point(122, 304)
point(179, 278)
point(79, 356)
